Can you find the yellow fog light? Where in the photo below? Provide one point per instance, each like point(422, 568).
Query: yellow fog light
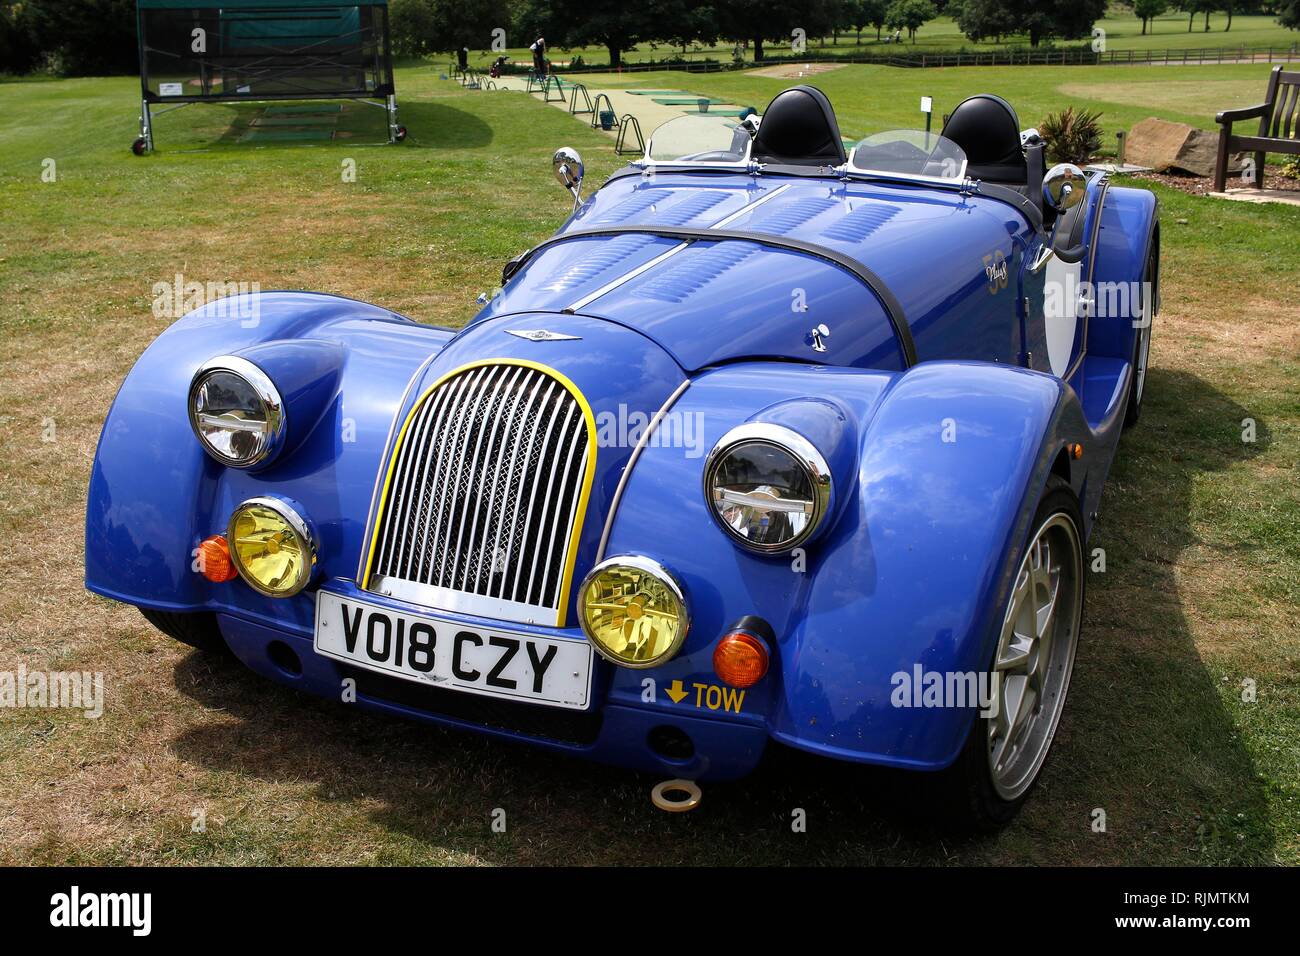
point(633, 611)
point(272, 546)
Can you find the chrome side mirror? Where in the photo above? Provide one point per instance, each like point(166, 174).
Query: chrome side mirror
point(568, 171)
point(1064, 187)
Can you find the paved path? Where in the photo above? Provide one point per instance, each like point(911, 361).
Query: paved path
point(1288, 197)
point(649, 114)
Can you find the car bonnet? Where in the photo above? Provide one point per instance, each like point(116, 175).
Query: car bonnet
point(708, 302)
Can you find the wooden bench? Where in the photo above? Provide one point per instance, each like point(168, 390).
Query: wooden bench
point(1279, 127)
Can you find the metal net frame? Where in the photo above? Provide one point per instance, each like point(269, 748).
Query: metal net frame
point(262, 50)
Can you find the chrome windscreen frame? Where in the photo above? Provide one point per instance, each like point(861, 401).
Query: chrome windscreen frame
point(959, 180)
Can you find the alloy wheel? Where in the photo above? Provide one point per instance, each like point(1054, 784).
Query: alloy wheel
point(1035, 656)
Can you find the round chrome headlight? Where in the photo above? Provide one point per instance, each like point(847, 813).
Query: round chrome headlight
point(633, 611)
point(272, 546)
point(767, 486)
point(236, 412)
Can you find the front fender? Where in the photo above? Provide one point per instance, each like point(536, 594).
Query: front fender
point(952, 466)
point(950, 460)
point(155, 494)
point(1130, 229)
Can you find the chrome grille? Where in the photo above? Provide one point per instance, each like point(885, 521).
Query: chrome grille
point(486, 493)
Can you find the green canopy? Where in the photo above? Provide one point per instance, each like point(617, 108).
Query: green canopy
point(256, 29)
point(197, 51)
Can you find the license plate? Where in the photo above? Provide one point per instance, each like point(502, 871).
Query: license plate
point(431, 650)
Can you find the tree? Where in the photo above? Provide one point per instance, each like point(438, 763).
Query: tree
point(603, 22)
point(530, 21)
point(695, 24)
point(1067, 19)
point(418, 27)
point(459, 24)
point(1289, 14)
point(876, 10)
point(910, 14)
point(1148, 10)
point(411, 26)
point(760, 20)
point(19, 52)
point(1193, 7)
point(87, 37)
point(984, 19)
point(867, 13)
point(615, 24)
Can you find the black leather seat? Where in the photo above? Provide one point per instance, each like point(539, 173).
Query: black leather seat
point(799, 129)
point(987, 129)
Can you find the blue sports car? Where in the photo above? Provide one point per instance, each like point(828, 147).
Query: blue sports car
point(778, 438)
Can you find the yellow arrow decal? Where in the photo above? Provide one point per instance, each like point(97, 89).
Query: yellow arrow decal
point(676, 691)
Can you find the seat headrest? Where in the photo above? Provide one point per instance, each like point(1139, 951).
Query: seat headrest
point(988, 130)
point(799, 129)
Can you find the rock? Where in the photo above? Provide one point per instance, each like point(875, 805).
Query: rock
point(1163, 146)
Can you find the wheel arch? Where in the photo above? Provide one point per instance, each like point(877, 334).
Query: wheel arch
point(1130, 228)
point(920, 574)
point(154, 493)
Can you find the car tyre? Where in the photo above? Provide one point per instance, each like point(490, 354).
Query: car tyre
point(198, 630)
point(971, 794)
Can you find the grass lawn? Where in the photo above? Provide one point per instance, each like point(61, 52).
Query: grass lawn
point(941, 35)
point(1201, 530)
point(872, 98)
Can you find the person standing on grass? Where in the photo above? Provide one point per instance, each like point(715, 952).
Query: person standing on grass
point(539, 56)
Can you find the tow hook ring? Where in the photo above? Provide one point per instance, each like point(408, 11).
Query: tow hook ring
point(659, 795)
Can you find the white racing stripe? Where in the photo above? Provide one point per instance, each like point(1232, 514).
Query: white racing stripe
point(586, 300)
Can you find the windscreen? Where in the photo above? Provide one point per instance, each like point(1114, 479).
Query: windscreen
point(704, 139)
point(911, 153)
